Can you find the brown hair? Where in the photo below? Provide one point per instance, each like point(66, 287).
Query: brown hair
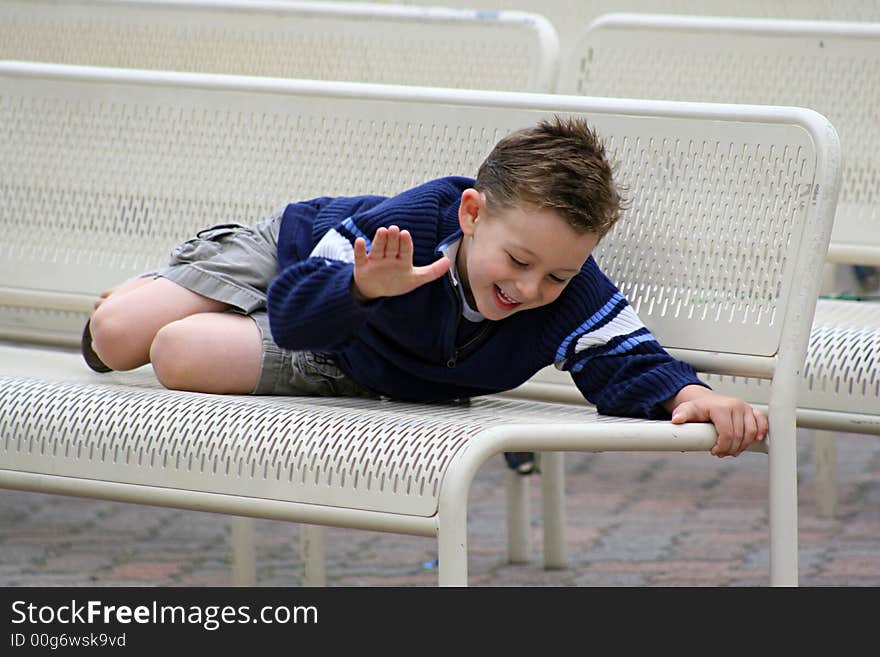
point(559, 164)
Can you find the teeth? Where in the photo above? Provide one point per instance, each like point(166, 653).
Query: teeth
point(506, 298)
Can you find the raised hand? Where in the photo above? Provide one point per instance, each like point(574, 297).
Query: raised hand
point(387, 270)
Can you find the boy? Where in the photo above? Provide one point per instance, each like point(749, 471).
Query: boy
point(452, 289)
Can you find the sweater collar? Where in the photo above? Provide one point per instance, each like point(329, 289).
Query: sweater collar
point(450, 229)
point(450, 250)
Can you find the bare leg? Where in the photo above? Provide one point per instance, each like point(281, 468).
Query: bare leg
point(209, 352)
point(125, 323)
point(128, 286)
point(86, 346)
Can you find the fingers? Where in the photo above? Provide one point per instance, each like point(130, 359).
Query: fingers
point(737, 424)
point(719, 416)
point(763, 425)
point(391, 242)
point(750, 429)
point(738, 428)
point(406, 246)
point(377, 247)
point(723, 421)
point(386, 269)
point(392, 248)
point(685, 413)
point(754, 428)
point(737, 434)
point(360, 252)
point(102, 297)
point(433, 271)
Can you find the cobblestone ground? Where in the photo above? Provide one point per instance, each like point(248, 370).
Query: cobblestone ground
point(653, 520)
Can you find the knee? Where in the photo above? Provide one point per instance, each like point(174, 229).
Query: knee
point(171, 354)
point(112, 338)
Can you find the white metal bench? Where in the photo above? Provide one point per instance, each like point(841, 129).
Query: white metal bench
point(570, 17)
point(103, 169)
point(832, 67)
point(358, 42)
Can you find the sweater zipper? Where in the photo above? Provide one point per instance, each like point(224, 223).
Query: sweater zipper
point(452, 361)
point(457, 351)
point(453, 357)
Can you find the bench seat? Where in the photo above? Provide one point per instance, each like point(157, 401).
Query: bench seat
point(360, 456)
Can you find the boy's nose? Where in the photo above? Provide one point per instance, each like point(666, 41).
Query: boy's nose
point(527, 288)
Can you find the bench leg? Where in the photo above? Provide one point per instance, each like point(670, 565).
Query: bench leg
point(825, 460)
point(518, 516)
point(452, 565)
point(783, 501)
point(312, 547)
point(828, 283)
point(244, 563)
point(553, 496)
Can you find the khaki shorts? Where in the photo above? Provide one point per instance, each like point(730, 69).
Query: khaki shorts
point(234, 264)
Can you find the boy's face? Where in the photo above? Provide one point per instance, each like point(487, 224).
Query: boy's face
point(515, 259)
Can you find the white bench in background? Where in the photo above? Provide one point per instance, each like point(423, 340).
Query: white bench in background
point(358, 42)
point(832, 67)
point(569, 17)
point(103, 169)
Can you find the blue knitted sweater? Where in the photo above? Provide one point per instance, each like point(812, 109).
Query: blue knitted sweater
point(417, 346)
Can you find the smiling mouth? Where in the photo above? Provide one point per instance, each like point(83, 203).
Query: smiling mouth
point(505, 301)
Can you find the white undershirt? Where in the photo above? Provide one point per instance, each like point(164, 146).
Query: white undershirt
point(451, 251)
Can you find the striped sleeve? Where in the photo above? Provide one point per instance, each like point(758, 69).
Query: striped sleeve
point(618, 365)
point(337, 243)
point(310, 304)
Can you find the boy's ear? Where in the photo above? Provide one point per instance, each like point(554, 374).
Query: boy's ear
point(472, 204)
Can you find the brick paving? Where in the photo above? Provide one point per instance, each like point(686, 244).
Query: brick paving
point(634, 520)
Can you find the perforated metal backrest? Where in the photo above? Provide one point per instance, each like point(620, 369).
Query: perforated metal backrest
point(570, 16)
point(103, 171)
point(359, 42)
point(833, 68)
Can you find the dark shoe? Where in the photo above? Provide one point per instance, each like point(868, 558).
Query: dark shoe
point(89, 354)
point(522, 462)
point(867, 278)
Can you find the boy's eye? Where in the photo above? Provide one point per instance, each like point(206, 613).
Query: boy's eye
point(521, 264)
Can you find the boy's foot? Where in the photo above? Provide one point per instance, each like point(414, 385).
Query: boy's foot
point(867, 278)
point(522, 462)
point(89, 354)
